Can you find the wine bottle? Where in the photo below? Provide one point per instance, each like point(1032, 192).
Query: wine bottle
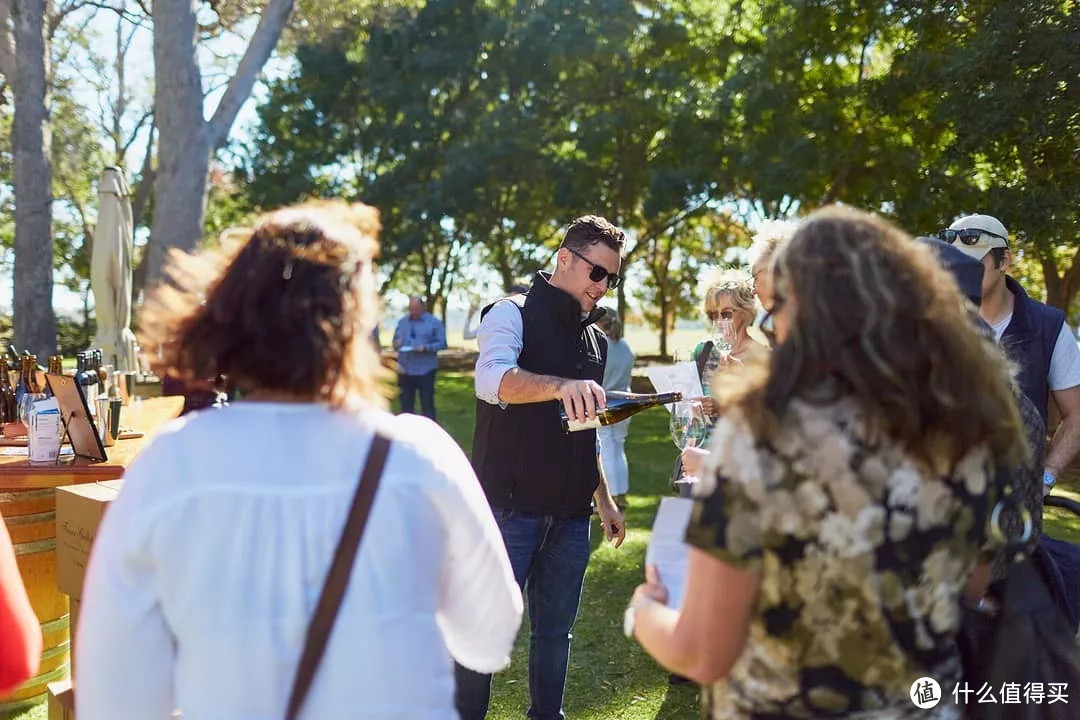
point(619, 406)
point(33, 384)
point(9, 409)
point(102, 373)
point(87, 380)
point(56, 367)
point(20, 381)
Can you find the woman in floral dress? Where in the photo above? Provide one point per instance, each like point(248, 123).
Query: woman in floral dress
point(843, 506)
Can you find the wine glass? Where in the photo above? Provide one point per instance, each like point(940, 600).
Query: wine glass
point(724, 337)
point(688, 428)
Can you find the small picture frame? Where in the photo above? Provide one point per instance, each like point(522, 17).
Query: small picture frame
point(75, 414)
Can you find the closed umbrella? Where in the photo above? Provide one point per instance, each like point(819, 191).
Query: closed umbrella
point(110, 271)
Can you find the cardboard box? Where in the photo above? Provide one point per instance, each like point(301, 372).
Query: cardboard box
point(79, 510)
point(61, 700)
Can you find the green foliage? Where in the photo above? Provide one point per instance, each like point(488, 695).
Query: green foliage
point(77, 161)
point(480, 127)
point(1007, 136)
point(226, 206)
point(74, 335)
point(676, 260)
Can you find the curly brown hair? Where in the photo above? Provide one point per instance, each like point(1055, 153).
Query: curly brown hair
point(874, 317)
point(287, 307)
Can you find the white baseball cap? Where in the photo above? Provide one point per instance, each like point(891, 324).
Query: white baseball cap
point(990, 234)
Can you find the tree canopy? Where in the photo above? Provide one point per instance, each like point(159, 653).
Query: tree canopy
point(480, 126)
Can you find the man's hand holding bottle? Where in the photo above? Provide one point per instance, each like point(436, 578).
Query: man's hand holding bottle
point(581, 399)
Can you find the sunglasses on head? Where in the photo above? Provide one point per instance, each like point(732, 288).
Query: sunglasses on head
point(714, 315)
point(968, 236)
point(599, 272)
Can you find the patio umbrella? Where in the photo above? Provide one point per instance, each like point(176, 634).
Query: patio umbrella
point(110, 271)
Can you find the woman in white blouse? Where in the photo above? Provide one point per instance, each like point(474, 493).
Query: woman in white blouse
point(207, 568)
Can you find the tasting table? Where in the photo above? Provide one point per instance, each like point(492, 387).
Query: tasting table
point(28, 506)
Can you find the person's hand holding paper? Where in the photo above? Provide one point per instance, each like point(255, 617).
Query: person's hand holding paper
point(667, 551)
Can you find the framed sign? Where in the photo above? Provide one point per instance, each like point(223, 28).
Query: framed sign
point(75, 413)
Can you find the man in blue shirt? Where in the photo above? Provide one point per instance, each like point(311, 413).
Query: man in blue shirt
point(418, 339)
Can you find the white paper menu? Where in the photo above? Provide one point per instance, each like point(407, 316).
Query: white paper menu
point(682, 377)
point(667, 550)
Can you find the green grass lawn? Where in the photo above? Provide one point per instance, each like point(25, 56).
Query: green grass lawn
point(610, 677)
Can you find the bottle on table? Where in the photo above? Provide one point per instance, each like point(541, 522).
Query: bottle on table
point(20, 381)
point(100, 376)
point(34, 384)
point(32, 388)
point(619, 406)
point(56, 367)
point(9, 409)
point(86, 380)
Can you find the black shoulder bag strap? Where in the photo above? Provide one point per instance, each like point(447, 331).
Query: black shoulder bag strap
point(337, 579)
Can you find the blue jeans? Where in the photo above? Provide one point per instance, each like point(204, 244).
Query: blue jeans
point(409, 385)
point(549, 556)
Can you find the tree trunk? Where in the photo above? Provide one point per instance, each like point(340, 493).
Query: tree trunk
point(7, 42)
point(1061, 289)
point(665, 312)
point(35, 322)
point(185, 139)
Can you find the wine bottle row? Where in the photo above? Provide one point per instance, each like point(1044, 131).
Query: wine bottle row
point(28, 385)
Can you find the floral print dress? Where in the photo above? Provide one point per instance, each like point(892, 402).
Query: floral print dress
point(862, 555)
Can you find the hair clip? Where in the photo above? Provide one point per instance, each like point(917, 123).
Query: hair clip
point(287, 273)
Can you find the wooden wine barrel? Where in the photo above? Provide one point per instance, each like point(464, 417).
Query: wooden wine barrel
point(30, 517)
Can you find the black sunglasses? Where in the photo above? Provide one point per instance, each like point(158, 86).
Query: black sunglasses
point(968, 236)
point(599, 272)
point(713, 315)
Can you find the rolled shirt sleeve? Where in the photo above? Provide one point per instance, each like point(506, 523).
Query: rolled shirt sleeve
point(1065, 361)
point(500, 337)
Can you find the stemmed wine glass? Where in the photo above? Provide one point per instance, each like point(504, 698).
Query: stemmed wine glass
point(688, 428)
point(724, 337)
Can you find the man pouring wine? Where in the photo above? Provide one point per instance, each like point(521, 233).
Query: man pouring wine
point(540, 352)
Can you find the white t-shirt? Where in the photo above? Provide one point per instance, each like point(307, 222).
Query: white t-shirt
point(208, 566)
point(1065, 360)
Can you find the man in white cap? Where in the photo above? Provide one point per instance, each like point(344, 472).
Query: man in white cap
point(1033, 335)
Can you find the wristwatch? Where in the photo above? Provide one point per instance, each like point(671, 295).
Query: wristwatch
point(630, 615)
point(1049, 481)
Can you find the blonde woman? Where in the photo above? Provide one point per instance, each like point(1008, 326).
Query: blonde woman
point(729, 311)
point(844, 504)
